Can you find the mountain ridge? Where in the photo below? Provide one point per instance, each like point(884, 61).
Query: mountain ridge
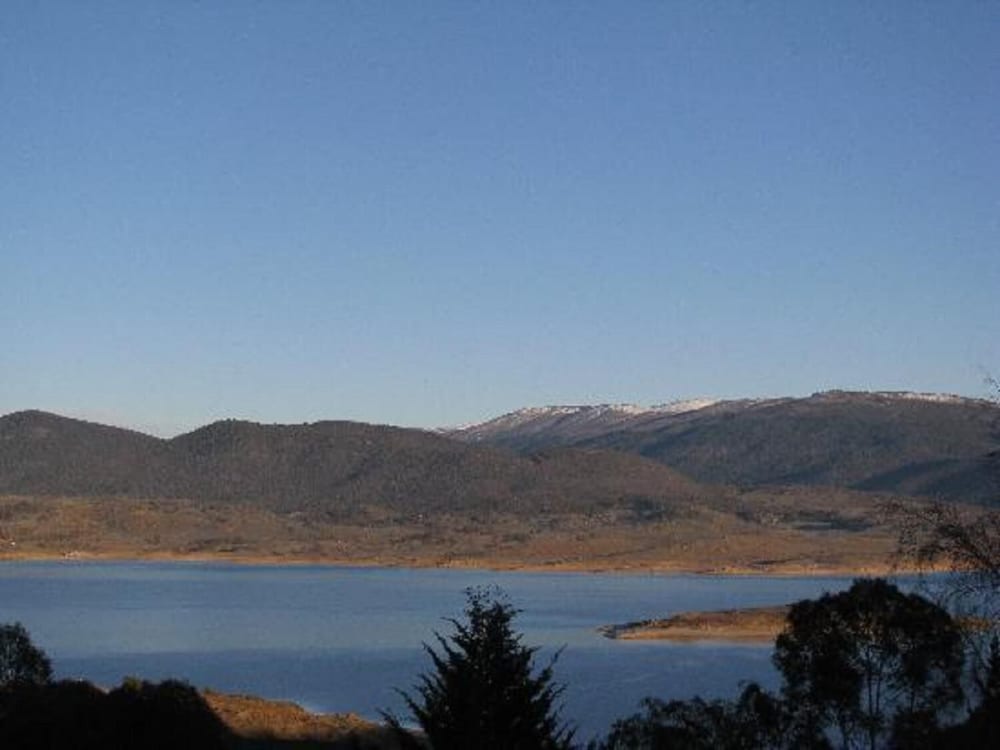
point(917, 444)
point(334, 467)
point(339, 491)
point(849, 439)
point(681, 406)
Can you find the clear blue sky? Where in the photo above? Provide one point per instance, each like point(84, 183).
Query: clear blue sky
point(430, 213)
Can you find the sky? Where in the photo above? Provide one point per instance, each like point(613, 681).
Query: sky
point(433, 213)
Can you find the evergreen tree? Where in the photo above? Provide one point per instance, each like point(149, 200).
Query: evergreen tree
point(20, 660)
point(483, 692)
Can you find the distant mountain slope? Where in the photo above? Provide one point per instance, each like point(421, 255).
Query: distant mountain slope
point(337, 468)
point(973, 479)
point(898, 442)
point(48, 454)
point(550, 426)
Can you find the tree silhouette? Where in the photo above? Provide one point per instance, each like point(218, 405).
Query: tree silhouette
point(868, 660)
point(20, 660)
point(754, 721)
point(483, 692)
point(962, 538)
point(76, 714)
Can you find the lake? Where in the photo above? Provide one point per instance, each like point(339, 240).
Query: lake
point(342, 639)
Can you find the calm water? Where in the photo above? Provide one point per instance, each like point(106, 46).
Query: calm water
point(340, 639)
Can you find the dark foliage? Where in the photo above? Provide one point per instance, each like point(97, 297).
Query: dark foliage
point(868, 660)
point(982, 728)
point(484, 692)
point(755, 720)
point(58, 715)
point(20, 660)
point(169, 714)
point(139, 715)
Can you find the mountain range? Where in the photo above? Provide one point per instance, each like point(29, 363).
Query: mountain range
point(791, 484)
point(558, 457)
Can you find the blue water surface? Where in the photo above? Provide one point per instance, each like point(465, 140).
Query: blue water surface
point(343, 639)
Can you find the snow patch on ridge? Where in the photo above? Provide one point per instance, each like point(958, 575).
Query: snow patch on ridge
point(600, 411)
point(543, 415)
point(938, 398)
point(686, 405)
point(587, 417)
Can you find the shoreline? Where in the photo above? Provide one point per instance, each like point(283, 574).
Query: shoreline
point(711, 544)
point(583, 568)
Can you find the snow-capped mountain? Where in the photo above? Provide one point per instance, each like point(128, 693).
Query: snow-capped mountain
point(921, 443)
point(574, 422)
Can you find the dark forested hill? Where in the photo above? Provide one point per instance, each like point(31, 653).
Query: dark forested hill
point(332, 467)
point(51, 455)
point(894, 442)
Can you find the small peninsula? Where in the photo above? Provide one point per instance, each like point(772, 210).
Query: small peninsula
point(749, 624)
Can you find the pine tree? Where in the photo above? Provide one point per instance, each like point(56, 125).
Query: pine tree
point(483, 692)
